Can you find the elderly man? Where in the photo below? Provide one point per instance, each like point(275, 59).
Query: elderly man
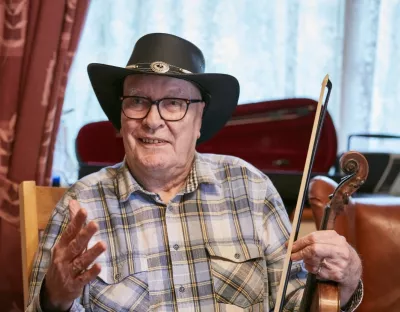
point(169, 229)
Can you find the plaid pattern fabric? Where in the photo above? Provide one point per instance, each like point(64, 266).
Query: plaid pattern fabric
point(217, 246)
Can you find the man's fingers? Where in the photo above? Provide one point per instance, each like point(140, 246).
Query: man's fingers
point(87, 258)
point(79, 243)
point(74, 226)
point(311, 268)
point(73, 208)
point(326, 270)
point(314, 238)
point(89, 275)
point(316, 252)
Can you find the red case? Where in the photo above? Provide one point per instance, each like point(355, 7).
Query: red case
point(274, 136)
point(98, 143)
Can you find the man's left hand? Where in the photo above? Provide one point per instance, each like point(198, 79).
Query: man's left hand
point(328, 255)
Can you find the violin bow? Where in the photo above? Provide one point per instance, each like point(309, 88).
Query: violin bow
point(312, 148)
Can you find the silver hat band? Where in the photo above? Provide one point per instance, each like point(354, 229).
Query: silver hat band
point(159, 67)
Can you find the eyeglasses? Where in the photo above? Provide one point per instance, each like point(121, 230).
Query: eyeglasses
point(170, 109)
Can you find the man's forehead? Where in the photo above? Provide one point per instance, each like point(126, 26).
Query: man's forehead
point(140, 82)
point(154, 79)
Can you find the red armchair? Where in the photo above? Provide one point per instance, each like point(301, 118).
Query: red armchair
point(372, 226)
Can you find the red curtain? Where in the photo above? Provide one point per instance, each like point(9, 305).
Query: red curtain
point(38, 39)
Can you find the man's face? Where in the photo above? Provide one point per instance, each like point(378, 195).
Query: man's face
point(152, 143)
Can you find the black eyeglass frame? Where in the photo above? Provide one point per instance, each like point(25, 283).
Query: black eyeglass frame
point(157, 103)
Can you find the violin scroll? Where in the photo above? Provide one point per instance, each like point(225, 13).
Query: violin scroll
point(356, 167)
point(355, 163)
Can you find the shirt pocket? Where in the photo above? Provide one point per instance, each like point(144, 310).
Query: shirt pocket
point(121, 287)
point(237, 272)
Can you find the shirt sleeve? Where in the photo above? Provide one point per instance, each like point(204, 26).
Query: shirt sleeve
point(355, 299)
point(51, 235)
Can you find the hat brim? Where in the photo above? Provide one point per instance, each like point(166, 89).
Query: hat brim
point(107, 82)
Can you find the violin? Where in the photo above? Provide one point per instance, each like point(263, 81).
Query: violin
point(322, 295)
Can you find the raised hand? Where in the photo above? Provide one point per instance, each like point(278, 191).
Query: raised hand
point(68, 272)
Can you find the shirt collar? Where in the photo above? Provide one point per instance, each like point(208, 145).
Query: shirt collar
point(203, 170)
point(126, 183)
point(200, 173)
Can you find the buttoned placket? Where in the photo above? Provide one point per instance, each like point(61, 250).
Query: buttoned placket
point(177, 253)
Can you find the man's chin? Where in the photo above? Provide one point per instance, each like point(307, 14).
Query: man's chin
point(154, 162)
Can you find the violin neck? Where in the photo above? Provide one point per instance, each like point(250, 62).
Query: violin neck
point(328, 219)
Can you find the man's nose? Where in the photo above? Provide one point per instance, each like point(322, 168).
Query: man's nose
point(153, 119)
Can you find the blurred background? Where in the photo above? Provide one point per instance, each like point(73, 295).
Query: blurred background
point(276, 49)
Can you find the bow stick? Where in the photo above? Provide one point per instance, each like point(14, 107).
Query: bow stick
point(312, 148)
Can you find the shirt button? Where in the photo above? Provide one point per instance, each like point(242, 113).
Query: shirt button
point(176, 246)
point(117, 276)
point(237, 255)
point(182, 289)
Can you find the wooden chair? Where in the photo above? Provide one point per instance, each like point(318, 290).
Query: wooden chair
point(36, 206)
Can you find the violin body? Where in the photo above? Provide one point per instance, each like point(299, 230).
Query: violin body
point(326, 297)
point(320, 296)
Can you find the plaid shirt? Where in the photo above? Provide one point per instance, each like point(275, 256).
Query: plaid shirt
point(217, 246)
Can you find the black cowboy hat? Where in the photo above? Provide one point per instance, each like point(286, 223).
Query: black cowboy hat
point(168, 55)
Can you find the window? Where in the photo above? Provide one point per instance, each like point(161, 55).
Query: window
point(276, 49)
